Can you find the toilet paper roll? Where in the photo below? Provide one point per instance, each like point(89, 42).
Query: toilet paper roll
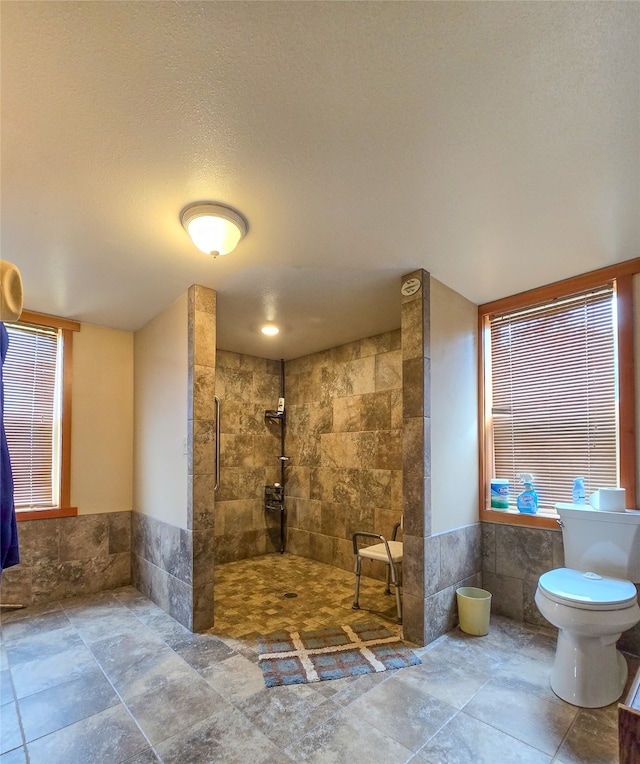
point(609, 499)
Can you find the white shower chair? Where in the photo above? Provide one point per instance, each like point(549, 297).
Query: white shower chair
point(385, 551)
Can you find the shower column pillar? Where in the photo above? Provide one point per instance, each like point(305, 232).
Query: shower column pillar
point(416, 447)
point(201, 448)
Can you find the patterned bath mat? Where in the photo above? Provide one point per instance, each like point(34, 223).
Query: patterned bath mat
point(331, 653)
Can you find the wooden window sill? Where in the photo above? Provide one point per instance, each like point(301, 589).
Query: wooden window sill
point(513, 517)
point(45, 514)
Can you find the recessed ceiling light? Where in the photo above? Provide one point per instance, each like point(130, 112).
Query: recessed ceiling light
point(270, 330)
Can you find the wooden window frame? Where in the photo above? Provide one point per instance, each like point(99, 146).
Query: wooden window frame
point(68, 328)
point(622, 275)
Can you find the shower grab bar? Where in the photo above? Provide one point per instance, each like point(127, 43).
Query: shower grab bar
point(217, 485)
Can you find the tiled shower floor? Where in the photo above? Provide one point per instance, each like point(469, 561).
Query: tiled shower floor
point(111, 678)
point(251, 597)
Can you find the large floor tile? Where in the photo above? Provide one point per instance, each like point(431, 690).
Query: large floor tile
point(108, 737)
point(201, 651)
point(235, 678)
point(28, 613)
point(345, 691)
point(137, 666)
point(279, 758)
point(42, 644)
point(348, 739)
point(161, 624)
point(131, 597)
point(444, 679)
point(4, 660)
point(535, 720)
point(593, 737)
point(6, 688)
point(509, 635)
point(48, 670)
point(403, 712)
point(165, 711)
point(23, 628)
point(478, 654)
point(146, 757)
point(66, 703)
point(16, 756)
point(107, 619)
point(94, 600)
point(227, 737)
point(529, 673)
point(10, 735)
point(285, 714)
point(201, 698)
point(465, 740)
point(542, 647)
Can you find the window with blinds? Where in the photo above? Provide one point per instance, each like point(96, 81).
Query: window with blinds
point(553, 392)
point(32, 409)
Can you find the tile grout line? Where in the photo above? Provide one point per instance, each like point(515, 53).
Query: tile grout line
point(16, 700)
point(119, 697)
point(18, 714)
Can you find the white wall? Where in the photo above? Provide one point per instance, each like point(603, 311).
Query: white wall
point(636, 355)
point(454, 409)
point(102, 420)
point(160, 418)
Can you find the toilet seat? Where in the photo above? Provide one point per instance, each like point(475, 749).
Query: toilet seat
point(587, 591)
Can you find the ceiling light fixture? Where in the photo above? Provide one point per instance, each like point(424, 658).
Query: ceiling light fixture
point(270, 330)
point(214, 228)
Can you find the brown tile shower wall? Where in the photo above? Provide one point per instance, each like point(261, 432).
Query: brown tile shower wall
point(69, 556)
point(344, 425)
point(249, 449)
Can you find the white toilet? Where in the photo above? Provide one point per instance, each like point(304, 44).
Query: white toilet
point(592, 601)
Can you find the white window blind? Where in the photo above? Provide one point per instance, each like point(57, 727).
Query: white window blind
point(554, 395)
point(32, 383)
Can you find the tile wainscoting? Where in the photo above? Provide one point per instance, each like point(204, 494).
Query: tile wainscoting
point(69, 556)
point(514, 558)
point(174, 567)
point(451, 559)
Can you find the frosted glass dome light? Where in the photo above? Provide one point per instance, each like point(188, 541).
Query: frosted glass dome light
point(214, 228)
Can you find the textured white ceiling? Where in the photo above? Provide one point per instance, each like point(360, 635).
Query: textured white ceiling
point(496, 145)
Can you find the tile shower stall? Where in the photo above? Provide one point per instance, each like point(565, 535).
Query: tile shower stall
point(360, 442)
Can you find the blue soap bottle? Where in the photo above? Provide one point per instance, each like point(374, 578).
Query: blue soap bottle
point(527, 501)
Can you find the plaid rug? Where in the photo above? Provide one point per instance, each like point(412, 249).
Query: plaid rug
point(331, 653)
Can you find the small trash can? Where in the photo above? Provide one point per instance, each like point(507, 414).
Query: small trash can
point(474, 609)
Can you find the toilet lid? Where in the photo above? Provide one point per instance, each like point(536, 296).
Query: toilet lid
point(588, 591)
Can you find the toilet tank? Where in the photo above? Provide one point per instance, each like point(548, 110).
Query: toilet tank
point(602, 542)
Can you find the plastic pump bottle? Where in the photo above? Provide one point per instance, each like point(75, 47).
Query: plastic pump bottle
point(578, 495)
point(527, 501)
